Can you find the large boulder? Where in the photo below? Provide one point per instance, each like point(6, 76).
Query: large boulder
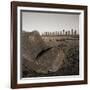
point(37, 56)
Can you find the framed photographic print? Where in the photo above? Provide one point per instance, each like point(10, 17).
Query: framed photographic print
point(48, 44)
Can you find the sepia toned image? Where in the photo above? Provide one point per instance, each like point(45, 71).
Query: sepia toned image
point(49, 44)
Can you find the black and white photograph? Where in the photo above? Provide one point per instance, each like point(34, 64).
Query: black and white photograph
point(48, 45)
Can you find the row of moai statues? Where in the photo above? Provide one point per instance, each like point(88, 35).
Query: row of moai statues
point(63, 32)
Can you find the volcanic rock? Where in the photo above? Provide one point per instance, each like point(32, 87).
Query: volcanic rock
point(37, 56)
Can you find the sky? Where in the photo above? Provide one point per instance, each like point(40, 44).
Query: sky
point(49, 22)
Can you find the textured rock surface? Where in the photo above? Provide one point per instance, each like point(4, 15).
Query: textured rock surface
point(37, 56)
point(31, 44)
point(51, 60)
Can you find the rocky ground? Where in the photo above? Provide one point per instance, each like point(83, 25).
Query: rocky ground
point(40, 58)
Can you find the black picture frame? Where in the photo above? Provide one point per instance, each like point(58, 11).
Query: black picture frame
point(14, 6)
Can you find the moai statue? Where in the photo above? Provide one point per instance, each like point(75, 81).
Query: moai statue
point(54, 33)
point(45, 33)
point(71, 31)
point(57, 33)
point(63, 31)
point(48, 33)
point(75, 32)
point(68, 32)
